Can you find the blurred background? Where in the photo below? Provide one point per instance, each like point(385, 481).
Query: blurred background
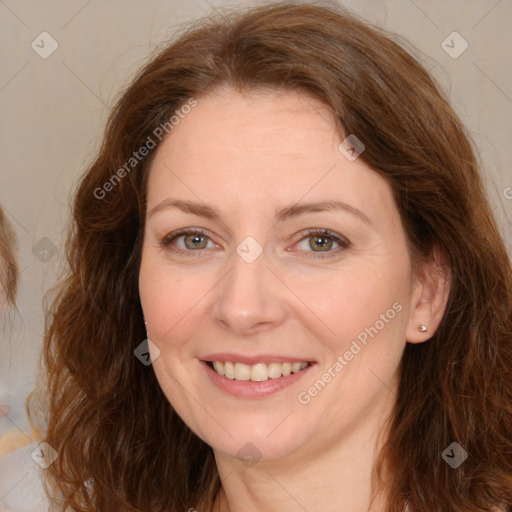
point(63, 63)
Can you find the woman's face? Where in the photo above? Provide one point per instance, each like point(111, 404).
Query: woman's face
point(265, 243)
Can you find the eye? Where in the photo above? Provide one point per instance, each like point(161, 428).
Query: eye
point(187, 241)
point(323, 241)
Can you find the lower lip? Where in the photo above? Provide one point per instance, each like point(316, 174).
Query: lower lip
point(252, 389)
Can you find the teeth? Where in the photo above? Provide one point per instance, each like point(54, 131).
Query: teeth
point(219, 367)
point(242, 371)
point(257, 372)
point(275, 370)
point(229, 370)
point(295, 367)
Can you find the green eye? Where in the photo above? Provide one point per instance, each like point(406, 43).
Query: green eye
point(323, 242)
point(195, 241)
point(187, 241)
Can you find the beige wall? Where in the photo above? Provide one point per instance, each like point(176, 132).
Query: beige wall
point(53, 111)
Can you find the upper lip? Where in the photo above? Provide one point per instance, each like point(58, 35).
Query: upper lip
point(254, 359)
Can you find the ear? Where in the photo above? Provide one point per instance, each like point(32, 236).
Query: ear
point(430, 291)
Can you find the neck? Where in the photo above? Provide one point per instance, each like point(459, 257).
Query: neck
point(329, 477)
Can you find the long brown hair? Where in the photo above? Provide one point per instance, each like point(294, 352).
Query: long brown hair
point(108, 419)
point(8, 262)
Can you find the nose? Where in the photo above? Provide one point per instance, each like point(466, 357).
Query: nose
point(250, 298)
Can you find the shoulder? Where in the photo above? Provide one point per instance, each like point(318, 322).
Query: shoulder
point(21, 488)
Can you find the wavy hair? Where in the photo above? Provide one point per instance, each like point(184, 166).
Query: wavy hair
point(121, 445)
point(8, 264)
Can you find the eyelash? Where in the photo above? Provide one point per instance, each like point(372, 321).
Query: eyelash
point(309, 233)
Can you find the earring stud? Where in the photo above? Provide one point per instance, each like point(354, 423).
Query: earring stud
point(422, 328)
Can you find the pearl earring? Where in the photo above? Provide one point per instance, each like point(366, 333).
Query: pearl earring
point(422, 328)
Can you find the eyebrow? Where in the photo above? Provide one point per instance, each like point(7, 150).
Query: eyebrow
point(295, 210)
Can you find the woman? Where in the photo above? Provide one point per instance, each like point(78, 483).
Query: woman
point(287, 220)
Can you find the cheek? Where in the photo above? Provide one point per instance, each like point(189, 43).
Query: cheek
point(362, 342)
point(356, 297)
point(170, 299)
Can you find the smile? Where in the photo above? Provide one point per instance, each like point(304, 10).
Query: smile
point(259, 372)
point(254, 376)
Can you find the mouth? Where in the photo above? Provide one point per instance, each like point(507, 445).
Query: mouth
point(259, 372)
point(252, 376)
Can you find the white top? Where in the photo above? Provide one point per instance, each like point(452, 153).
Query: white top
point(21, 488)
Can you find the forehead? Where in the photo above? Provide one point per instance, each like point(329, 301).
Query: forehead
point(262, 148)
point(269, 123)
